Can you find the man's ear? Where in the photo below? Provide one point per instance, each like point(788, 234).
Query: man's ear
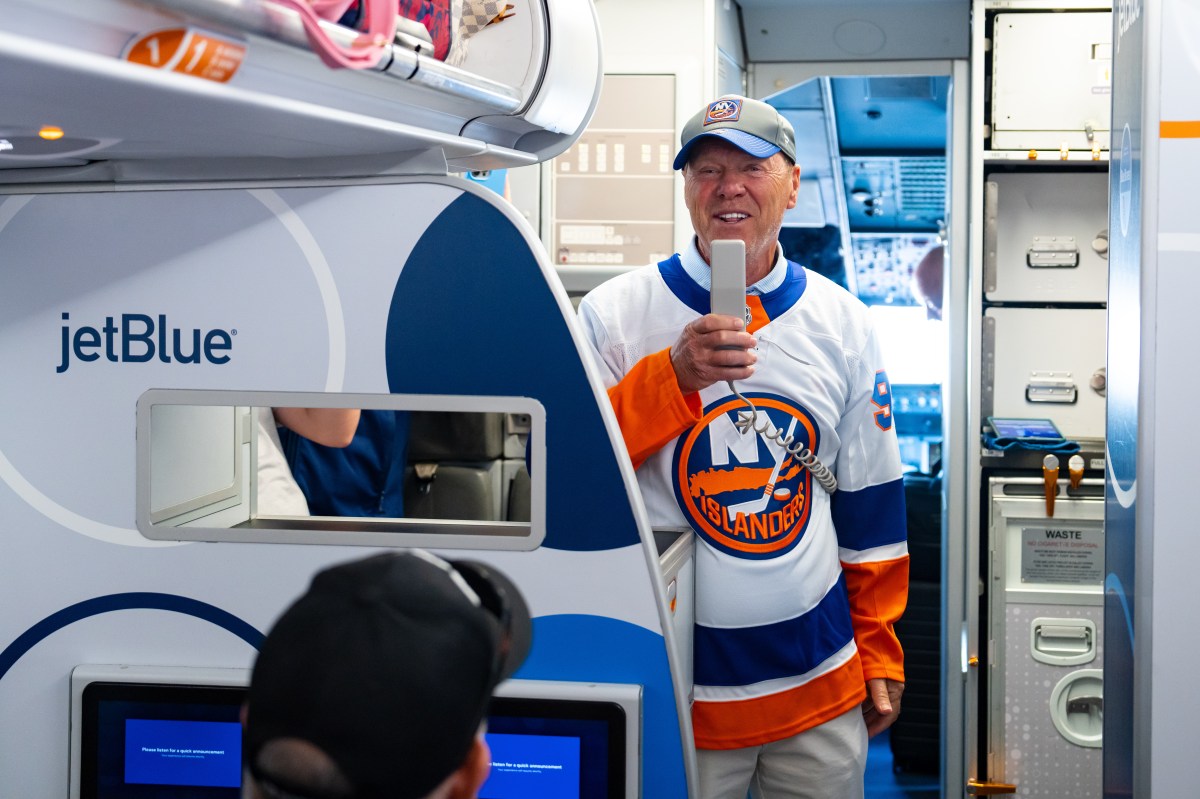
point(471, 775)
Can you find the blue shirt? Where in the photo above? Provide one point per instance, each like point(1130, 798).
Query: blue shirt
point(365, 478)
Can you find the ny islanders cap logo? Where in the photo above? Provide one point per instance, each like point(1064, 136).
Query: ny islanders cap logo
point(723, 110)
point(744, 493)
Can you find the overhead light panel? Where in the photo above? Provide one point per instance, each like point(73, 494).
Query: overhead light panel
point(5, 144)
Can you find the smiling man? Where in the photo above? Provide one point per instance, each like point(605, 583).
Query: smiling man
point(796, 661)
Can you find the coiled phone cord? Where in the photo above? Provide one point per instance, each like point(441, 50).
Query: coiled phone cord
point(749, 421)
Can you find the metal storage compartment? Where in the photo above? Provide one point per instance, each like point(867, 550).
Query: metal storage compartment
point(1046, 363)
point(1045, 682)
point(1051, 80)
point(1046, 237)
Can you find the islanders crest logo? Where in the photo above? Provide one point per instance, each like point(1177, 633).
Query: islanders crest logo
point(723, 110)
point(743, 493)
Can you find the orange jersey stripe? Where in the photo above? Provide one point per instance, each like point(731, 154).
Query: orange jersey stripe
point(751, 722)
point(878, 593)
point(758, 314)
point(650, 408)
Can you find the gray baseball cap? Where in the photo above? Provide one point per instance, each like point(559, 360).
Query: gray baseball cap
point(751, 125)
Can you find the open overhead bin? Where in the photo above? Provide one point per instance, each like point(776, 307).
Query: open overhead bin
point(269, 107)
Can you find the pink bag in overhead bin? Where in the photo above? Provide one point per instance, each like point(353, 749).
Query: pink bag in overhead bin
point(365, 51)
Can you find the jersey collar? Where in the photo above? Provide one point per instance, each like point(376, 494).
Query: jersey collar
point(688, 277)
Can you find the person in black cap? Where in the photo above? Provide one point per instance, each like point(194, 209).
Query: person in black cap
point(375, 683)
point(799, 577)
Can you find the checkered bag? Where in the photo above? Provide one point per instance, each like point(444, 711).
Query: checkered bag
point(476, 15)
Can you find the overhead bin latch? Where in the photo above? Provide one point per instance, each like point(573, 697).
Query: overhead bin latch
point(1055, 387)
point(1053, 252)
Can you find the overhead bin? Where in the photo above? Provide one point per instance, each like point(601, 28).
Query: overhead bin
point(523, 94)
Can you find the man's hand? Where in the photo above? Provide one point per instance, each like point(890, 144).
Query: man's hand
point(882, 706)
point(710, 349)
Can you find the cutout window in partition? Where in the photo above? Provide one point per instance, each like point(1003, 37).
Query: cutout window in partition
point(464, 472)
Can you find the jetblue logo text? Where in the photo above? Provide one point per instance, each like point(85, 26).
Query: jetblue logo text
point(138, 338)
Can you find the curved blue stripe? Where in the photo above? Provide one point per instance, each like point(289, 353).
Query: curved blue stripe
point(128, 601)
point(870, 517)
point(500, 331)
point(1112, 585)
point(597, 649)
point(774, 302)
point(784, 649)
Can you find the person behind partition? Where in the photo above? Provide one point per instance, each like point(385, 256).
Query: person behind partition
point(375, 683)
point(796, 662)
point(277, 492)
point(927, 280)
point(363, 478)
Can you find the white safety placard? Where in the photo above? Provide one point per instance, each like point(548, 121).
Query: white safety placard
point(1062, 554)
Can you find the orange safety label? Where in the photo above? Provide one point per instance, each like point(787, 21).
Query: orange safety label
point(188, 50)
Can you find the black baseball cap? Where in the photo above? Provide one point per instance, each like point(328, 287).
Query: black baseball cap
point(387, 664)
point(751, 125)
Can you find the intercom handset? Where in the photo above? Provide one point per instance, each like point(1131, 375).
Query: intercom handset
point(748, 420)
point(728, 296)
point(729, 278)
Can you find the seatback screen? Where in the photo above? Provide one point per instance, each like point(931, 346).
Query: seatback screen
point(161, 741)
point(555, 749)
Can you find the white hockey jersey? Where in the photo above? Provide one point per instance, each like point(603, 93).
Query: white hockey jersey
point(796, 590)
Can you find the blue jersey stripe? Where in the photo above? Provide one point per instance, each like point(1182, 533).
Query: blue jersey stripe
point(781, 299)
point(870, 517)
point(690, 294)
point(682, 286)
point(749, 655)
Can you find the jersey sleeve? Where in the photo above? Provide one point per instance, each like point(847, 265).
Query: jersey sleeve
point(868, 516)
point(645, 396)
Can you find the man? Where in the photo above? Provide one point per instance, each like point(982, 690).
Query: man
point(375, 683)
point(278, 492)
point(797, 590)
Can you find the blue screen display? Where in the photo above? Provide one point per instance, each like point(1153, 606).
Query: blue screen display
point(201, 753)
point(555, 749)
point(154, 741)
point(544, 766)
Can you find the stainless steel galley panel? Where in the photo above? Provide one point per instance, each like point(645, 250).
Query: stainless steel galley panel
point(1046, 363)
point(1045, 621)
point(1046, 237)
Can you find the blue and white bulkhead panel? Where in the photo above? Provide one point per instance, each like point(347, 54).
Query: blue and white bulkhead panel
point(414, 286)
